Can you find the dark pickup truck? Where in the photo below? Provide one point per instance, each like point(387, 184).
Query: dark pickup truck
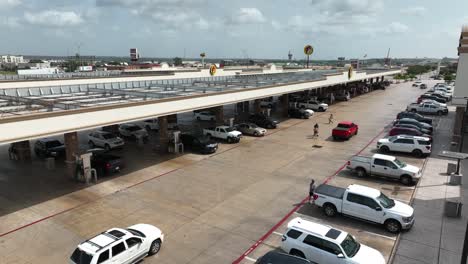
point(105, 163)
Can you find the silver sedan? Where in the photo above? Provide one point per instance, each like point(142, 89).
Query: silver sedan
point(251, 129)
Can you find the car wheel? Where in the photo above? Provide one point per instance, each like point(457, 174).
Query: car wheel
point(329, 210)
point(321, 109)
point(356, 132)
point(155, 247)
point(91, 144)
point(384, 149)
point(413, 110)
point(198, 118)
point(297, 253)
point(439, 113)
point(229, 140)
point(270, 106)
point(418, 153)
point(335, 138)
point(107, 147)
point(302, 107)
point(212, 119)
point(406, 180)
point(361, 172)
point(148, 127)
point(392, 226)
point(256, 134)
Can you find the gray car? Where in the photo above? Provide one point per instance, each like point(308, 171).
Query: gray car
point(251, 129)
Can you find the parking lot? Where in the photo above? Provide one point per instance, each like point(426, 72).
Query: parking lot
point(213, 208)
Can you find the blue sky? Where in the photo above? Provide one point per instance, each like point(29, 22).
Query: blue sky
point(254, 29)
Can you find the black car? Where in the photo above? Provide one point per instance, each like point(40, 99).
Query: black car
point(199, 143)
point(298, 113)
point(263, 121)
point(447, 98)
point(105, 163)
point(420, 118)
point(47, 147)
point(274, 257)
point(414, 122)
point(435, 98)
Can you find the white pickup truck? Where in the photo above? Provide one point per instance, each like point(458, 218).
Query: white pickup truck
point(365, 203)
point(384, 166)
point(223, 132)
point(310, 104)
point(427, 108)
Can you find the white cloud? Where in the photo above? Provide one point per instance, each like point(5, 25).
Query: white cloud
point(414, 11)
point(348, 11)
point(11, 22)
point(54, 18)
point(246, 15)
point(9, 3)
point(396, 27)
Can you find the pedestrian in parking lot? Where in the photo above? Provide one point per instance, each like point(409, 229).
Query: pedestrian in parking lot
point(311, 189)
point(316, 130)
point(330, 119)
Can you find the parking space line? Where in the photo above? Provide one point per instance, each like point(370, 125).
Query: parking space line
point(277, 233)
point(299, 205)
point(379, 235)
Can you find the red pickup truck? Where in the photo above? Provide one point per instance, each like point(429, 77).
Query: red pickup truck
point(345, 130)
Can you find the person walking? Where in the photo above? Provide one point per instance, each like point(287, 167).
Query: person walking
point(316, 130)
point(311, 189)
point(330, 119)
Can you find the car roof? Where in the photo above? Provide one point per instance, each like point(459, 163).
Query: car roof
point(48, 140)
point(412, 137)
point(103, 240)
point(321, 230)
point(370, 192)
point(384, 157)
point(345, 122)
point(102, 132)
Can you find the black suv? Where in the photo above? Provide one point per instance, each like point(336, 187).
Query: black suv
point(274, 257)
point(48, 147)
point(298, 113)
point(263, 121)
point(105, 163)
point(416, 116)
point(199, 143)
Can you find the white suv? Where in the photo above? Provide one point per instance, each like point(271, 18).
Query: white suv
point(205, 116)
point(419, 146)
point(119, 245)
point(326, 245)
point(105, 140)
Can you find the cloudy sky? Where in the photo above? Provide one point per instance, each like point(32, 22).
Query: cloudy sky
point(240, 28)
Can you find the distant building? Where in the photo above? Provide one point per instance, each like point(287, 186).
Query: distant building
point(355, 63)
point(11, 59)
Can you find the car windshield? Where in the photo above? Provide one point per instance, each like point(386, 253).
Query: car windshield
point(81, 257)
point(253, 125)
point(133, 128)
point(108, 136)
point(385, 201)
point(350, 246)
point(53, 144)
point(343, 125)
point(400, 163)
point(204, 139)
point(136, 232)
point(229, 129)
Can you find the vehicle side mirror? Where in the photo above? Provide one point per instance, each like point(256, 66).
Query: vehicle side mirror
point(340, 255)
point(378, 208)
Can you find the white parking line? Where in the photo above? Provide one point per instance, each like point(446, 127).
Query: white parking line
point(277, 233)
point(250, 259)
point(375, 234)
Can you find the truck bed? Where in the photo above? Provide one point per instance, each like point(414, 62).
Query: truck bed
point(361, 159)
point(332, 191)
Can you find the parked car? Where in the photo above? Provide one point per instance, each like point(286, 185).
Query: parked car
point(49, 147)
point(364, 203)
point(223, 132)
point(395, 131)
point(442, 94)
point(343, 97)
point(422, 130)
point(384, 166)
point(423, 86)
point(299, 113)
point(275, 257)
point(133, 131)
point(345, 130)
point(153, 124)
point(104, 140)
point(418, 146)
point(417, 84)
point(435, 98)
point(416, 116)
point(105, 163)
point(263, 121)
point(427, 108)
point(250, 129)
point(267, 103)
point(205, 116)
point(414, 122)
point(433, 102)
point(326, 245)
point(199, 143)
point(118, 245)
point(310, 104)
